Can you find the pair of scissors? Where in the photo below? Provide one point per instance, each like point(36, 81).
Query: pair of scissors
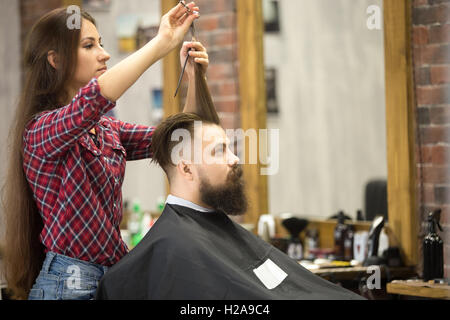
point(192, 29)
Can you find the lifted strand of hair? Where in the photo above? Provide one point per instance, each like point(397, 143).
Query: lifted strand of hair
point(205, 105)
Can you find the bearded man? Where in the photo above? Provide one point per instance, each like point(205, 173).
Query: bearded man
point(195, 251)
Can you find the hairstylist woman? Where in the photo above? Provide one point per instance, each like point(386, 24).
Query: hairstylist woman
point(63, 189)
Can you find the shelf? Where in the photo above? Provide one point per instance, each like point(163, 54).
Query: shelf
point(419, 289)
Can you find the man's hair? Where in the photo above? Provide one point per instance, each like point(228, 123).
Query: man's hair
point(162, 144)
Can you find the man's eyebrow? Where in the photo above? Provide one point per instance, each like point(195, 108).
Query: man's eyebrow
point(91, 38)
point(220, 144)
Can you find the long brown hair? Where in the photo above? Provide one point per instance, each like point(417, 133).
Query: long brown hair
point(44, 89)
point(204, 103)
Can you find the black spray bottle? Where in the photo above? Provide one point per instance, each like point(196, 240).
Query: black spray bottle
point(340, 233)
point(433, 249)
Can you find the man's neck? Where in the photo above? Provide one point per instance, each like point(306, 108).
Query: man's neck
point(189, 197)
point(174, 200)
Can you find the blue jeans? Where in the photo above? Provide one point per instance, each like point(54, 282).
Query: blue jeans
point(65, 278)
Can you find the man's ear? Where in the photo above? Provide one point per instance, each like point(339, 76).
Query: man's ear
point(52, 58)
point(184, 169)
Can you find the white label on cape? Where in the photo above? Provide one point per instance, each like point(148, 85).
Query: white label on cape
point(270, 274)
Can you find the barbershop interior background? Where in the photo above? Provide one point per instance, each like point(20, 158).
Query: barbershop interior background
point(360, 99)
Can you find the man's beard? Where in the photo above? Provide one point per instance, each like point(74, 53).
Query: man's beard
point(229, 197)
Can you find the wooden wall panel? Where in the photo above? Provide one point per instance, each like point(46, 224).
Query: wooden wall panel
point(400, 127)
point(171, 71)
point(252, 97)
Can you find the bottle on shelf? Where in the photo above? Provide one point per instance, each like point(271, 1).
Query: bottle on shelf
point(340, 232)
point(135, 224)
point(359, 215)
point(311, 243)
point(348, 243)
point(160, 204)
point(433, 262)
point(125, 215)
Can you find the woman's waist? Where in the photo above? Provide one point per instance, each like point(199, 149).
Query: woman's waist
point(62, 264)
point(103, 249)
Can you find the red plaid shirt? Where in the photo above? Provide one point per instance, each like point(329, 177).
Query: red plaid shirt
point(77, 184)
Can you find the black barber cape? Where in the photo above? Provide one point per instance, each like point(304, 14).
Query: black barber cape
point(193, 255)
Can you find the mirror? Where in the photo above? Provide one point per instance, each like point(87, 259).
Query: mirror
point(324, 64)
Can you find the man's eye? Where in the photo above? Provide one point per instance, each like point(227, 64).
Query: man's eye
point(219, 151)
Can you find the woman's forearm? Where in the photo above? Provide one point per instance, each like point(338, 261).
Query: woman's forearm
point(115, 81)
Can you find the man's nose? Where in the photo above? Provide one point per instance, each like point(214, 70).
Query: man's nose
point(233, 159)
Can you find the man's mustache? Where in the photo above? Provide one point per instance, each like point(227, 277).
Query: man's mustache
point(235, 173)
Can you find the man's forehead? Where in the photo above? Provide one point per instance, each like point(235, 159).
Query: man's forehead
point(214, 133)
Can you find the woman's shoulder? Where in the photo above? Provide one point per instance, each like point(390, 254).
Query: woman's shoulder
point(29, 124)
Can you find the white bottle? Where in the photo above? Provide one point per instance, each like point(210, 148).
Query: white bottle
point(383, 243)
